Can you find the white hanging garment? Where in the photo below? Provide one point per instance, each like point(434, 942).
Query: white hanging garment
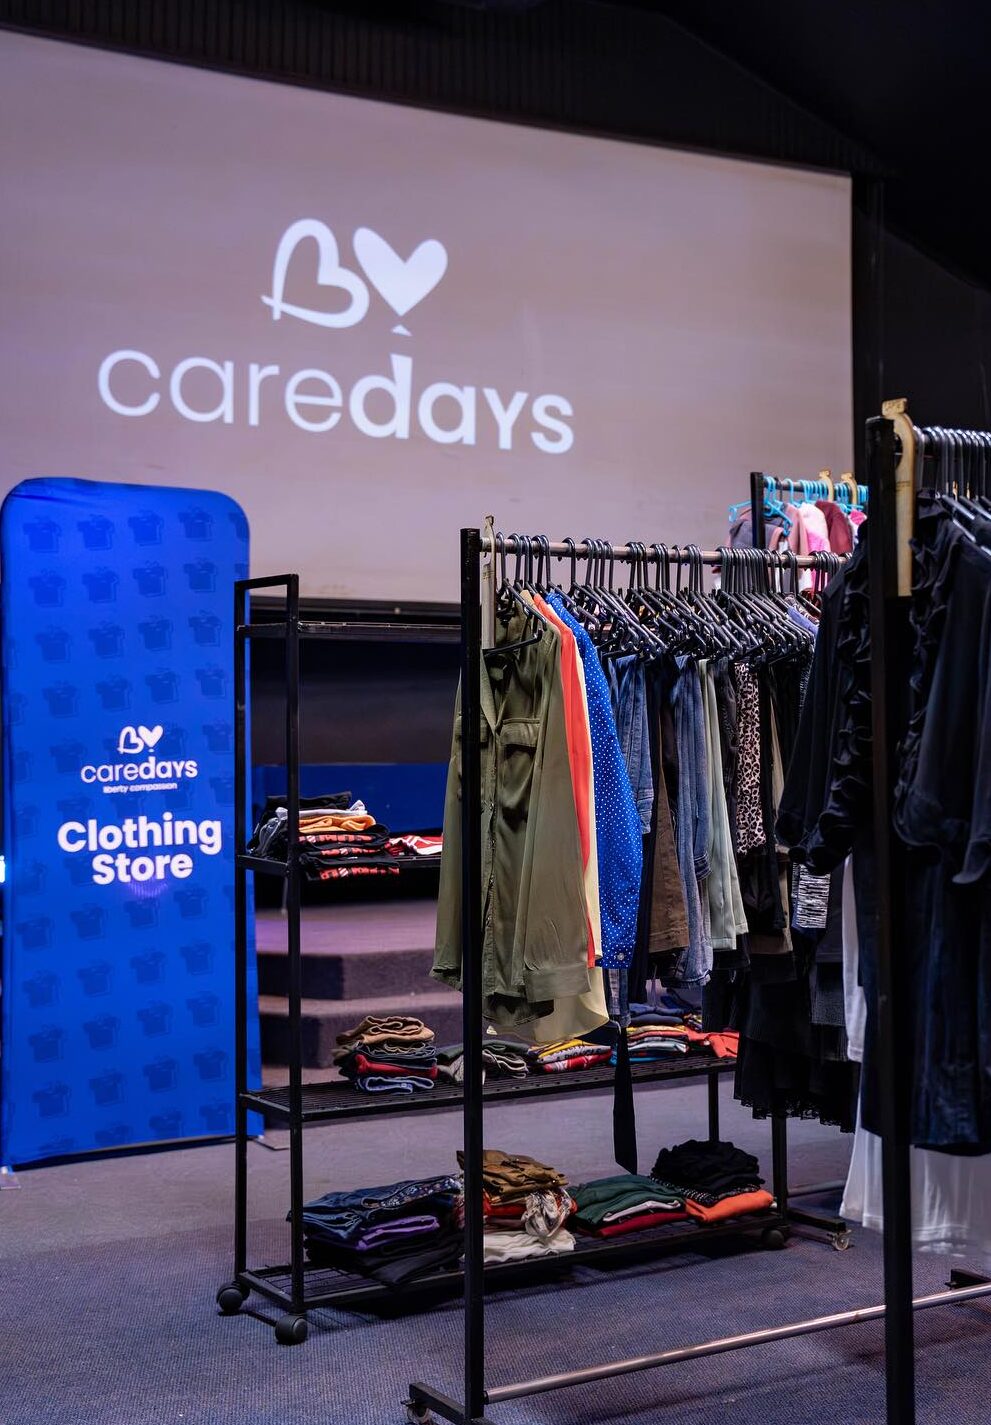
point(951, 1196)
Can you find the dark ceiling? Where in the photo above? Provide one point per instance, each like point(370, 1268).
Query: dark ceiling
point(848, 84)
point(906, 78)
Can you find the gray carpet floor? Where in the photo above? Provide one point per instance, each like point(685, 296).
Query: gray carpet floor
point(109, 1270)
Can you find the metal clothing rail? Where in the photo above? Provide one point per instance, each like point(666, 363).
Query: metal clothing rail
point(761, 484)
point(627, 553)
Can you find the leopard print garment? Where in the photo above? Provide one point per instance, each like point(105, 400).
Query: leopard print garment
point(750, 829)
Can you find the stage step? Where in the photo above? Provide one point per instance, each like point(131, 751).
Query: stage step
point(322, 1021)
point(335, 975)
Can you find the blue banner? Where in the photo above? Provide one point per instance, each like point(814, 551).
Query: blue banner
point(118, 984)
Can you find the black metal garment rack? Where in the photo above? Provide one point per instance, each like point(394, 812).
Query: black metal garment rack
point(425, 1401)
point(297, 1286)
point(890, 442)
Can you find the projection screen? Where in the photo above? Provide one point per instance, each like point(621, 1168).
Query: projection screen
point(372, 324)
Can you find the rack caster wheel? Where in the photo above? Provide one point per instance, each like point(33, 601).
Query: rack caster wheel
point(231, 1298)
point(773, 1239)
point(841, 1241)
point(418, 1414)
point(291, 1330)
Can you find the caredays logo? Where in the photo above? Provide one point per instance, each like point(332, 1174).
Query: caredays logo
point(153, 774)
point(403, 284)
point(380, 406)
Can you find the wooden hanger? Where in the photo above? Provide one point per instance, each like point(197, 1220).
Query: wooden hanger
point(847, 479)
point(897, 411)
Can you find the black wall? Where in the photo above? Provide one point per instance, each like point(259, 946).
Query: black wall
point(936, 339)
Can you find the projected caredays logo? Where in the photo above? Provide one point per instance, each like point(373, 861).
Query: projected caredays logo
point(312, 285)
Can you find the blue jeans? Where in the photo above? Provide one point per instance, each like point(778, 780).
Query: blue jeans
point(628, 688)
point(692, 828)
point(347, 1215)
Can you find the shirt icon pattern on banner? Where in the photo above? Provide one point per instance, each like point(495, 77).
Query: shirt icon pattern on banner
point(118, 603)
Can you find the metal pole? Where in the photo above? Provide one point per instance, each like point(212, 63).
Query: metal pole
point(240, 937)
point(713, 1086)
point(757, 523)
point(471, 972)
point(293, 943)
point(623, 553)
point(726, 1343)
point(894, 1048)
point(779, 1126)
point(779, 1160)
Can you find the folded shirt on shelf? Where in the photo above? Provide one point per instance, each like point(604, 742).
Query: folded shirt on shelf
point(652, 1041)
point(502, 1059)
point(512, 1177)
point(520, 1246)
point(541, 1214)
point(339, 837)
point(566, 1055)
point(716, 1180)
point(733, 1205)
point(608, 1207)
point(725, 1044)
point(406, 1083)
point(388, 1054)
point(393, 1232)
point(397, 1262)
point(708, 1165)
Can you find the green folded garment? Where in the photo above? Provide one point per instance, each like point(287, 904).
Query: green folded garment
point(619, 1193)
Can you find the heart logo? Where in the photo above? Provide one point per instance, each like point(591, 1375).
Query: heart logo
point(330, 273)
point(150, 735)
point(129, 741)
point(401, 283)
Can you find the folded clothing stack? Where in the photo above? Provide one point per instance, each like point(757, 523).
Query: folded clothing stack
point(339, 838)
point(501, 1059)
point(566, 1055)
point(392, 1233)
point(392, 1053)
point(627, 1202)
point(654, 1041)
point(665, 1007)
point(526, 1204)
point(716, 1180)
point(725, 1044)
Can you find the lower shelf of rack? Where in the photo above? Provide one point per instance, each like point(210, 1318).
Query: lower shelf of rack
point(335, 1100)
point(327, 1287)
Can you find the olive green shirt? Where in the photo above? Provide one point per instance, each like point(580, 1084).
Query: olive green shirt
point(535, 931)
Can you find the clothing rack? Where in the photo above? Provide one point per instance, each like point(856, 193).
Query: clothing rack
point(893, 444)
point(896, 453)
point(424, 1400)
point(761, 483)
point(298, 1286)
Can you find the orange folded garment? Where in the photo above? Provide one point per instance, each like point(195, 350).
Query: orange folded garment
point(735, 1206)
point(336, 821)
point(725, 1044)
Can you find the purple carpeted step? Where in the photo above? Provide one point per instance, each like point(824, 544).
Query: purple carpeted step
point(351, 952)
point(323, 1020)
point(335, 975)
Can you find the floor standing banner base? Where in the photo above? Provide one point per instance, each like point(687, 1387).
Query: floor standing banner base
point(118, 944)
